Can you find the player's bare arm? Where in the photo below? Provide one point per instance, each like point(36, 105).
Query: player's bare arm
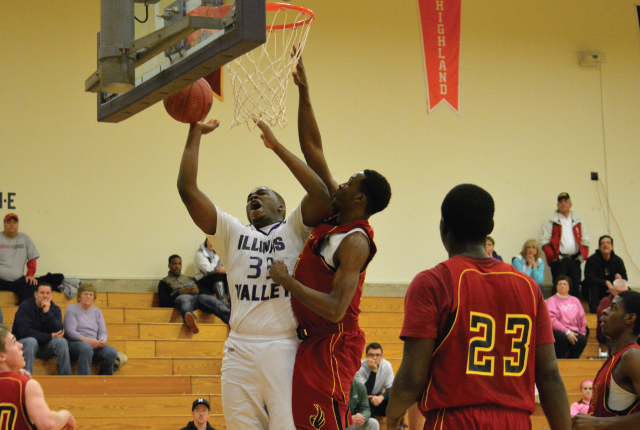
point(316, 204)
point(411, 379)
point(202, 211)
point(553, 396)
point(40, 414)
point(309, 133)
point(350, 258)
point(628, 372)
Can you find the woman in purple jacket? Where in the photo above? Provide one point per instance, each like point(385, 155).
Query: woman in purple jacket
point(87, 333)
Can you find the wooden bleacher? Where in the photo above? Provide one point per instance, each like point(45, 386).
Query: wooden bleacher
point(169, 367)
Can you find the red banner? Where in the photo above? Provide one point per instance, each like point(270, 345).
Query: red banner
point(440, 22)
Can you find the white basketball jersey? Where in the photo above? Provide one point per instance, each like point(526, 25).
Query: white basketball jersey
point(258, 305)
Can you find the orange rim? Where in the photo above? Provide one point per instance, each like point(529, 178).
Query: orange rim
point(273, 7)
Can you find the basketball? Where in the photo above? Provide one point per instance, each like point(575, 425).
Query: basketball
point(192, 104)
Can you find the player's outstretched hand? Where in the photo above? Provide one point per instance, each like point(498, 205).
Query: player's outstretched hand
point(267, 135)
point(583, 421)
point(278, 272)
point(299, 75)
point(205, 128)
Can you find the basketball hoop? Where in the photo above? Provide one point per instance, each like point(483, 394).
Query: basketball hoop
point(260, 78)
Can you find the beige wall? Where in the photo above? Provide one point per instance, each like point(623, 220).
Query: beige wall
point(100, 200)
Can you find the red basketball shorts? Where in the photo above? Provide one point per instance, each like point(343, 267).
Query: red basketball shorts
point(325, 367)
point(482, 417)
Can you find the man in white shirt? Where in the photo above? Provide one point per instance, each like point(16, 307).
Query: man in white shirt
point(17, 251)
point(565, 243)
point(257, 370)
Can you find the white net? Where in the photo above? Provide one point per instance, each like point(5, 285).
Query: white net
point(260, 78)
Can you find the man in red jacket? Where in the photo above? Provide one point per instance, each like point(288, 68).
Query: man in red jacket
point(565, 243)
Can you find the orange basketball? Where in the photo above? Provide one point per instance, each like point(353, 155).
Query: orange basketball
point(192, 104)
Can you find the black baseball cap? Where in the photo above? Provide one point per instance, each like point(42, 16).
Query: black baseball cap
point(563, 196)
point(200, 402)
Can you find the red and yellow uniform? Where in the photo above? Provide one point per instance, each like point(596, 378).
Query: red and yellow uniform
point(487, 319)
point(13, 411)
point(328, 359)
point(601, 386)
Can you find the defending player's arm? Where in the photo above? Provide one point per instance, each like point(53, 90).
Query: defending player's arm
point(350, 259)
point(202, 211)
point(316, 204)
point(630, 365)
point(411, 379)
point(309, 133)
point(40, 414)
point(553, 396)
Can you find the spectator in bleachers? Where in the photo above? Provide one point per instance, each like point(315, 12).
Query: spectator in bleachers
point(600, 270)
point(376, 374)
point(565, 243)
point(16, 251)
point(529, 261)
point(488, 248)
point(181, 292)
point(86, 333)
point(618, 286)
point(568, 320)
point(38, 327)
point(359, 408)
point(201, 412)
point(583, 405)
point(210, 274)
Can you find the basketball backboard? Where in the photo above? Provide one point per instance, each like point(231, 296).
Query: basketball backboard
point(171, 44)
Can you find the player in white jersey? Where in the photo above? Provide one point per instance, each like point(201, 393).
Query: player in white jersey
point(257, 369)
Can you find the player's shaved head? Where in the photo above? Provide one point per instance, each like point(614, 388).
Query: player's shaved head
point(467, 211)
point(631, 304)
point(377, 190)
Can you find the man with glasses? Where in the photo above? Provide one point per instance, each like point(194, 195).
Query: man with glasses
point(377, 376)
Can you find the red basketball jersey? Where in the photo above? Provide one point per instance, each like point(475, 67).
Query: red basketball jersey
point(601, 386)
point(486, 351)
point(312, 271)
point(13, 412)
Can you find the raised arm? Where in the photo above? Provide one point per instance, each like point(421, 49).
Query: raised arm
point(316, 205)
point(202, 211)
point(40, 414)
point(553, 396)
point(411, 379)
point(309, 133)
point(350, 259)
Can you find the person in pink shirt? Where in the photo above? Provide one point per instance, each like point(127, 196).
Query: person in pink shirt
point(583, 405)
point(568, 321)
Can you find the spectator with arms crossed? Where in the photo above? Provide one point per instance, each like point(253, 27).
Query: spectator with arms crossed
point(477, 334)
point(600, 270)
point(257, 369)
point(21, 398)
point(16, 251)
point(327, 284)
